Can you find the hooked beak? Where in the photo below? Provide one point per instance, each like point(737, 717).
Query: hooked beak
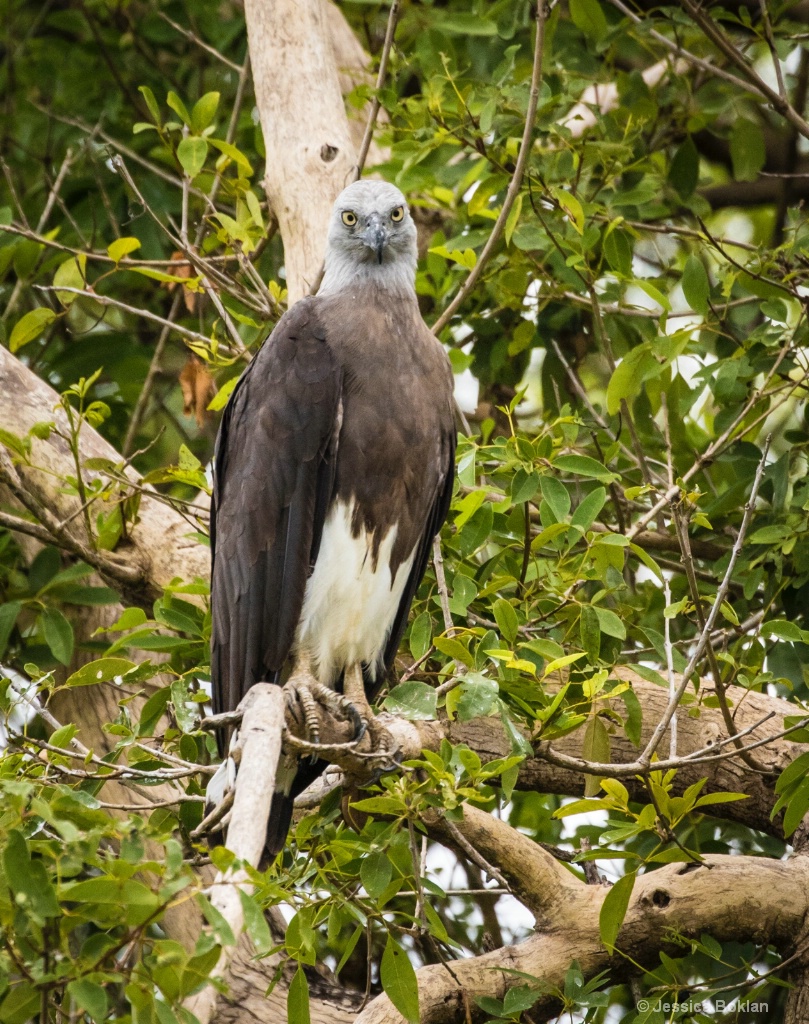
point(375, 236)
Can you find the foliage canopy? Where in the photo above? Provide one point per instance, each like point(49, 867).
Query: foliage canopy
point(636, 335)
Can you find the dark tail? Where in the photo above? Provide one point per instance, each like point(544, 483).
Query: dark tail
point(278, 824)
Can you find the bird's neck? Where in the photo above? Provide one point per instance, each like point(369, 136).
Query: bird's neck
point(395, 279)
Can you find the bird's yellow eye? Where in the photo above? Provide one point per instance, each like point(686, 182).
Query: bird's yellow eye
point(397, 213)
point(349, 218)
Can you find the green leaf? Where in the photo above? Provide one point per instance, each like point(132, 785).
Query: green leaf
point(747, 150)
point(122, 247)
point(233, 154)
point(204, 111)
point(28, 879)
point(71, 274)
point(177, 105)
point(256, 922)
point(191, 152)
point(557, 496)
point(684, 169)
point(101, 671)
point(21, 1004)
point(783, 630)
point(720, 798)
point(455, 649)
point(130, 617)
point(628, 376)
point(513, 219)
point(104, 897)
point(610, 623)
point(151, 102)
point(613, 909)
point(589, 18)
point(30, 326)
point(634, 716)
point(647, 560)
point(477, 698)
point(399, 980)
point(8, 616)
point(376, 872)
point(350, 946)
point(618, 251)
point(298, 998)
point(198, 969)
point(220, 399)
point(216, 920)
point(153, 710)
point(58, 634)
point(696, 286)
point(89, 997)
point(519, 998)
point(654, 293)
point(506, 619)
point(590, 633)
point(421, 634)
point(583, 465)
point(159, 275)
point(797, 770)
point(596, 750)
point(413, 700)
point(796, 808)
point(588, 509)
point(569, 203)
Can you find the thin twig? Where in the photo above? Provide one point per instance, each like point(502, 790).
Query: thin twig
point(716, 446)
point(43, 219)
point(473, 854)
point(9, 522)
point(107, 300)
point(151, 376)
point(712, 68)
point(195, 39)
point(368, 134)
point(441, 580)
point(721, 594)
point(126, 574)
point(667, 587)
point(768, 35)
point(516, 180)
point(723, 43)
point(390, 31)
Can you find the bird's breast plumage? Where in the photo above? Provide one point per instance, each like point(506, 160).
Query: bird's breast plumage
point(392, 462)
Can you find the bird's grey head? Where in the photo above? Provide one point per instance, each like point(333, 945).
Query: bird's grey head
point(372, 239)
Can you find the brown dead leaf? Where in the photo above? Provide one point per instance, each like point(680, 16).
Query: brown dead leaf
point(198, 389)
point(184, 270)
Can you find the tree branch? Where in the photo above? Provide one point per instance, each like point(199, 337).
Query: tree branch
point(733, 898)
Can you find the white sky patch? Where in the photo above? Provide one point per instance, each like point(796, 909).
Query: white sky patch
point(516, 921)
point(467, 390)
point(24, 707)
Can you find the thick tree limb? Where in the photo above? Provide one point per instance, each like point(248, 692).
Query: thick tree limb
point(732, 898)
point(310, 152)
point(260, 740)
point(159, 547)
point(760, 713)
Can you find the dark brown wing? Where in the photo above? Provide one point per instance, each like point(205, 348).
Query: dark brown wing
point(308, 771)
point(274, 475)
point(438, 513)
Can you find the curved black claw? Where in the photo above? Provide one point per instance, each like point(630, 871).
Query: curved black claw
point(359, 722)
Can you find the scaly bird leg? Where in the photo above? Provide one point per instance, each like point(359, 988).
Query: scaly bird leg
point(354, 691)
point(301, 699)
point(304, 692)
